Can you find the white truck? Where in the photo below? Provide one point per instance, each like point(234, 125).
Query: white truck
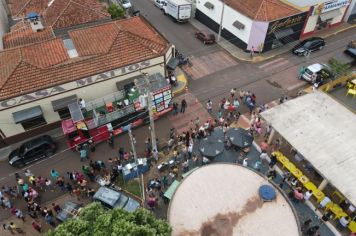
point(180, 10)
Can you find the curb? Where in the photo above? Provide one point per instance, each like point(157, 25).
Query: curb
point(261, 58)
point(181, 78)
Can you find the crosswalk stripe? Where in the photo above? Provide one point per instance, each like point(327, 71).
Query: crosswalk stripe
point(276, 65)
point(270, 63)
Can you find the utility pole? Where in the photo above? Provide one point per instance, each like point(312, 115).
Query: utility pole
point(221, 19)
point(133, 146)
point(147, 91)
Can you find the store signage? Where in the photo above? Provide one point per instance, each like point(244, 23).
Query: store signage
point(72, 85)
point(332, 5)
point(285, 23)
point(329, 6)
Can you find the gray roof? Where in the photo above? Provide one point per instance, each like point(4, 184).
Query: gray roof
point(324, 132)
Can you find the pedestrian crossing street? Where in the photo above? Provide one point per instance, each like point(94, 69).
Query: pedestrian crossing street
point(276, 64)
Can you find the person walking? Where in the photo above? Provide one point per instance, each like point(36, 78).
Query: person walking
point(232, 92)
point(175, 108)
point(83, 154)
point(19, 214)
point(54, 174)
point(183, 106)
point(312, 230)
point(306, 225)
point(209, 107)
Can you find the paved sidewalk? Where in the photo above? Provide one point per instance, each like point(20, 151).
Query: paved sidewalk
point(245, 56)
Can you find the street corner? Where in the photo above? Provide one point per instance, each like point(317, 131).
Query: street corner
point(182, 84)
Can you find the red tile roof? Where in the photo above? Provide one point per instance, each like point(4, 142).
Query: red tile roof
point(38, 66)
point(20, 8)
point(25, 35)
point(262, 10)
point(66, 13)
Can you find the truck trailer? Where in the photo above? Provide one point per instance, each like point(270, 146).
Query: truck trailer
point(179, 10)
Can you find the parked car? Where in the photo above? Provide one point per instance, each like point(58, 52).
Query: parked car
point(309, 45)
point(351, 49)
point(160, 3)
point(317, 74)
point(126, 4)
point(111, 198)
point(69, 210)
point(32, 150)
point(205, 37)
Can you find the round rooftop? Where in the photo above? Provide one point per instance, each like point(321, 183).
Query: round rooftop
point(223, 199)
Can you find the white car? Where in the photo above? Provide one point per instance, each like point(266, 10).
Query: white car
point(126, 4)
point(160, 3)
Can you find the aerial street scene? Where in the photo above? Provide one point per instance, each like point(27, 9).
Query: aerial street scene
point(178, 117)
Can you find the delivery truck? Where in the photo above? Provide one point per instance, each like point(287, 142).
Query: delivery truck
point(179, 10)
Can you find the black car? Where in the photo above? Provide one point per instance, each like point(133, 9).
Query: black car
point(308, 45)
point(32, 150)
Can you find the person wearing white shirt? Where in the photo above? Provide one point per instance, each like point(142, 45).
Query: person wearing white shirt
point(307, 195)
point(324, 202)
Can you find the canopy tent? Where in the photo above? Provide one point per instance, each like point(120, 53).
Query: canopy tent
point(324, 132)
point(171, 190)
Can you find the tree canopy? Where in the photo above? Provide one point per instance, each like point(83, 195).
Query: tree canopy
point(338, 67)
point(95, 220)
point(116, 11)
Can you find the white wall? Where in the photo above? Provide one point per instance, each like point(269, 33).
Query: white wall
point(351, 10)
point(4, 24)
point(91, 92)
point(230, 16)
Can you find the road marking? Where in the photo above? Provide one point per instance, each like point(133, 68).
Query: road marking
point(271, 62)
point(275, 66)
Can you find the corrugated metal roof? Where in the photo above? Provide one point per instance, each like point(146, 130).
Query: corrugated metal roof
point(324, 132)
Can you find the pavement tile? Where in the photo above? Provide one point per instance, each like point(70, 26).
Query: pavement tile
point(208, 64)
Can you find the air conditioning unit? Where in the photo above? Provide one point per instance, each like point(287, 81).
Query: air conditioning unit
point(36, 25)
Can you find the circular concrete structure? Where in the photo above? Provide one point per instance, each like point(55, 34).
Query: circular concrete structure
point(223, 199)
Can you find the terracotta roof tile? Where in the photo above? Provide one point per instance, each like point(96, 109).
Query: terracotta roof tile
point(25, 35)
point(263, 10)
point(45, 54)
point(66, 13)
point(94, 40)
point(46, 64)
point(19, 8)
point(9, 60)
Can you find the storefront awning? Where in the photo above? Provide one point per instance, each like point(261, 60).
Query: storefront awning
point(63, 102)
point(27, 114)
point(75, 112)
point(330, 14)
point(283, 33)
point(172, 63)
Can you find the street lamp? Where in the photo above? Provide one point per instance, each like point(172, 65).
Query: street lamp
point(133, 146)
point(221, 19)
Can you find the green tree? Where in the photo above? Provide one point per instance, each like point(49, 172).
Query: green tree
point(95, 220)
point(338, 67)
point(116, 12)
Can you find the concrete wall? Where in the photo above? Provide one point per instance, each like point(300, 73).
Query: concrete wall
point(90, 92)
point(4, 23)
point(230, 16)
point(257, 35)
point(350, 15)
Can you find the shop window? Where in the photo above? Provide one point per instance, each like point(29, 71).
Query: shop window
point(33, 123)
point(64, 113)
